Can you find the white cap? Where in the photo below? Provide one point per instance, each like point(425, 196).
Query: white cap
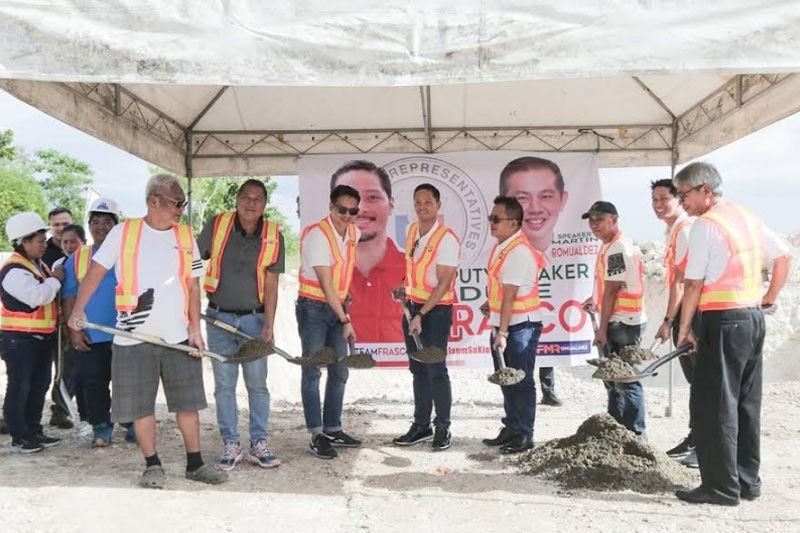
point(104, 205)
point(24, 224)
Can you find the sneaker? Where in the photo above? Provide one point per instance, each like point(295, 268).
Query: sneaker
point(101, 435)
point(130, 432)
point(682, 449)
point(59, 418)
point(441, 439)
point(690, 460)
point(417, 433)
point(46, 441)
point(231, 454)
point(260, 455)
point(343, 440)
point(322, 447)
point(551, 399)
point(26, 446)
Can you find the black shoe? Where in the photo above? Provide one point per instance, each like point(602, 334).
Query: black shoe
point(517, 444)
point(551, 399)
point(501, 439)
point(26, 446)
point(46, 441)
point(321, 447)
point(750, 495)
point(700, 495)
point(59, 418)
point(415, 434)
point(441, 439)
point(3, 427)
point(340, 439)
point(684, 448)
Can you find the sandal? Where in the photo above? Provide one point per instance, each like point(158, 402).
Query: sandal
point(153, 477)
point(207, 474)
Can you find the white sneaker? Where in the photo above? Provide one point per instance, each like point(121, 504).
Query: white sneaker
point(231, 454)
point(690, 460)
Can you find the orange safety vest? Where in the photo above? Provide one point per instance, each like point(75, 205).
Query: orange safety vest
point(270, 246)
point(82, 258)
point(417, 287)
point(524, 302)
point(672, 248)
point(127, 293)
point(740, 283)
point(342, 268)
point(43, 319)
point(630, 300)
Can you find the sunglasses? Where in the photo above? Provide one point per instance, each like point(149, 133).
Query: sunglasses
point(342, 210)
point(494, 219)
point(179, 204)
point(684, 194)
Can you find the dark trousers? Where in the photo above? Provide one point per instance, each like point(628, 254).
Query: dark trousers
point(431, 381)
point(92, 371)
point(28, 361)
point(626, 400)
point(547, 380)
point(519, 401)
point(726, 400)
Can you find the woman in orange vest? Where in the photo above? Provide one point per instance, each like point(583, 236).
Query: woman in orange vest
point(723, 282)
point(28, 321)
point(431, 258)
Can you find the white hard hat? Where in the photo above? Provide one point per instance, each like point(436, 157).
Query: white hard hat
point(104, 205)
point(24, 224)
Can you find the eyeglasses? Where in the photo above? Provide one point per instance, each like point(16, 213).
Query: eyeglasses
point(179, 204)
point(684, 194)
point(342, 210)
point(495, 219)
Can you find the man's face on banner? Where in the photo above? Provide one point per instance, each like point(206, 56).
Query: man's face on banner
point(541, 201)
point(375, 206)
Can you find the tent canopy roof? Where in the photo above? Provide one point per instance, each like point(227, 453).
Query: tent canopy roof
point(249, 87)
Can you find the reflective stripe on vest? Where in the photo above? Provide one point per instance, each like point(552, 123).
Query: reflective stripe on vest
point(672, 249)
point(629, 300)
point(82, 259)
point(42, 320)
point(127, 293)
point(417, 287)
point(342, 268)
point(270, 240)
point(523, 302)
point(740, 283)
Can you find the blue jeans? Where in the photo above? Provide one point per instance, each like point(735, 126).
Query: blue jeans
point(226, 375)
point(431, 381)
point(626, 400)
point(519, 401)
point(28, 369)
point(318, 326)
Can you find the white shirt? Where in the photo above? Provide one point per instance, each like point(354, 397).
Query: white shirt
point(518, 269)
point(25, 287)
point(315, 250)
point(160, 310)
point(620, 265)
point(446, 255)
point(709, 254)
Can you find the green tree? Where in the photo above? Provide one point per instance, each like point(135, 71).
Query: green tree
point(8, 152)
point(64, 180)
point(20, 192)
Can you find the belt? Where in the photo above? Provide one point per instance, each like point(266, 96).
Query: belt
point(237, 312)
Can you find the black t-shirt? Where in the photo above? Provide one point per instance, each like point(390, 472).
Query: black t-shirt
point(52, 254)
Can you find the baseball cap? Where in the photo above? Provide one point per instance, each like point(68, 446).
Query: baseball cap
point(599, 208)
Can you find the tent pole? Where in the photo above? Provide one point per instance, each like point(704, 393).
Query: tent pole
point(673, 161)
point(189, 175)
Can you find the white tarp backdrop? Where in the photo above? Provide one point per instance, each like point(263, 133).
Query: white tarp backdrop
point(208, 88)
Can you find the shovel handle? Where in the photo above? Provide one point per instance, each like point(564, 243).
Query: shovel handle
point(497, 355)
point(408, 316)
point(225, 326)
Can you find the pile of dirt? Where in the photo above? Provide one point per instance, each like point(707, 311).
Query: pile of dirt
point(603, 455)
point(507, 376)
point(610, 368)
point(635, 354)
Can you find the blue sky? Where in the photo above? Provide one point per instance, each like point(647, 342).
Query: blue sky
point(759, 171)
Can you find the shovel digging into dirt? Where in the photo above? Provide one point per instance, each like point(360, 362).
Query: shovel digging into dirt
point(504, 376)
point(430, 354)
point(356, 358)
point(618, 371)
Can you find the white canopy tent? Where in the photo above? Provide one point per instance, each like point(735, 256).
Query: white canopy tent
point(209, 88)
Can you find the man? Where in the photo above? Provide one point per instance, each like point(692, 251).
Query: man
point(619, 296)
point(431, 263)
point(723, 282)
point(667, 207)
point(513, 300)
point(157, 266)
point(328, 258)
point(246, 257)
point(538, 186)
point(380, 266)
point(58, 218)
point(92, 356)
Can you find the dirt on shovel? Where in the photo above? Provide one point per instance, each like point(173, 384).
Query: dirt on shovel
point(507, 376)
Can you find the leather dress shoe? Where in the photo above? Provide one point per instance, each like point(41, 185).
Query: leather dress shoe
point(518, 444)
point(501, 439)
point(750, 495)
point(701, 495)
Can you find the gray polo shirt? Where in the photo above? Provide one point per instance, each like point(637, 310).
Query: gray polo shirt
point(238, 286)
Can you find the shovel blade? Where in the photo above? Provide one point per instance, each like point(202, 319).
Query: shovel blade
point(507, 376)
point(360, 360)
point(430, 354)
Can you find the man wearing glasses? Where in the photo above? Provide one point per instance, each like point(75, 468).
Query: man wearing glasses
point(723, 281)
point(157, 267)
point(328, 258)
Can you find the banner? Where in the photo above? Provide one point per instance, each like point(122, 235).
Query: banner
point(554, 191)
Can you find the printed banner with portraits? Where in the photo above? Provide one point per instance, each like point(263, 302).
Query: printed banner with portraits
point(553, 189)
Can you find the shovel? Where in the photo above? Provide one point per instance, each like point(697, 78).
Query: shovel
point(504, 376)
point(650, 370)
point(256, 348)
point(355, 358)
point(431, 354)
